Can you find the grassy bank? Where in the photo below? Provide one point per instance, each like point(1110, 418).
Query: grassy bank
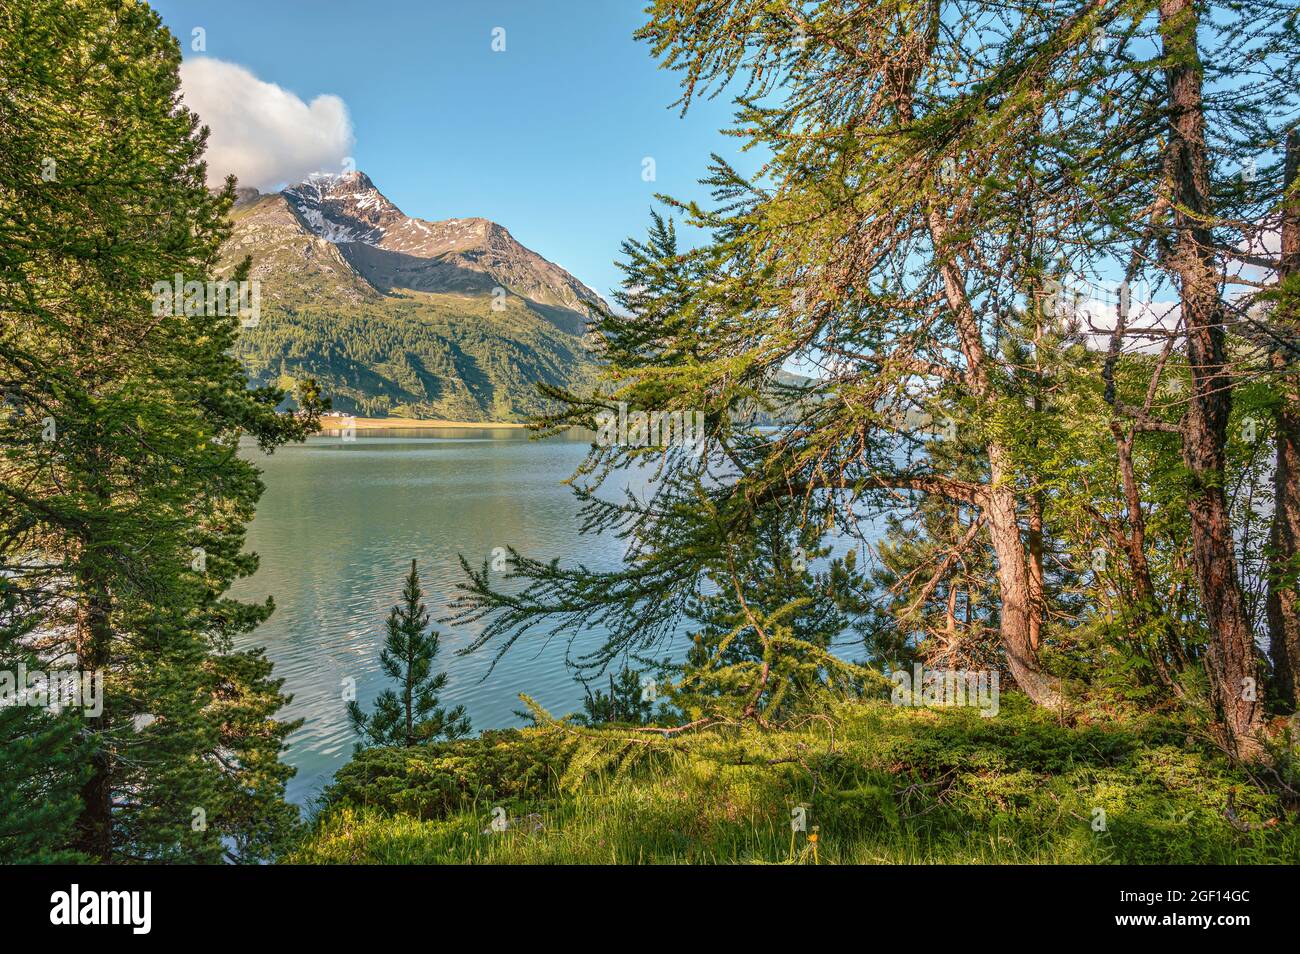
point(877, 783)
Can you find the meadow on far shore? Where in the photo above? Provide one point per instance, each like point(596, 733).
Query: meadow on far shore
point(330, 421)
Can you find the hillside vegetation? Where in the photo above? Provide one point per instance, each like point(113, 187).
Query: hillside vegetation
point(423, 355)
point(463, 327)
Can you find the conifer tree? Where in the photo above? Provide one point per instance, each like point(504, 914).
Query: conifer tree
point(628, 701)
point(44, 760)
point(1284, 545)
point(713, 328)
point(1186, 174)
point(409, 715)
point(934, 167)
point(124, 498)
point(935, 592)
point(764, 633)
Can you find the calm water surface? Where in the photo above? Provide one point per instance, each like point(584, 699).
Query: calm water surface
point(336, 531)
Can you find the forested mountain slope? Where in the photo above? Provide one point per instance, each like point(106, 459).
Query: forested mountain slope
point(397, 315)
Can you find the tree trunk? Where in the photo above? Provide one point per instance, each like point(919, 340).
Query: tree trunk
point(94, 829)
point(1231, 653)
point(950, 616)
point(410, 714)
point(1015, 590)
point(1167, 654)
point(999, 502)
point(1283, 603)
point(1036, 590)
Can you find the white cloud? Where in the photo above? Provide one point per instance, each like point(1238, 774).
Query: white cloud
point(264, 134)
point(1092, 307)
point(1145, 325)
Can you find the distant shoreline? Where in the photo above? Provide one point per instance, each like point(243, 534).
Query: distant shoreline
point(381, 423)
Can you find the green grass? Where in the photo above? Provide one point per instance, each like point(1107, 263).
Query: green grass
point(881, 784)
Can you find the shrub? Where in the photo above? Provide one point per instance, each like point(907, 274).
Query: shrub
point(432, 781)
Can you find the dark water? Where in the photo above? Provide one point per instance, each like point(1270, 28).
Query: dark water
point(336, 531)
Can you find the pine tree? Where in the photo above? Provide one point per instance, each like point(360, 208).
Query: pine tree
point(410, 715)
point(125, 500)
point(43, 758)
point(628, 701)
point(935, 592)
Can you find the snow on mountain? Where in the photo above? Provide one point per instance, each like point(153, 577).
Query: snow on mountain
point(469, 254)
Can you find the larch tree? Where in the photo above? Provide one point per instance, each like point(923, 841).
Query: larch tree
point(1284, 578)
point(851, 253)
point(1176, 145)
point(934, 172)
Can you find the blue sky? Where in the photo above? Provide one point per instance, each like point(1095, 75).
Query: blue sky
point(547, 138)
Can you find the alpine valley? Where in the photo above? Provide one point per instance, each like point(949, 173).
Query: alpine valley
point(398, 316)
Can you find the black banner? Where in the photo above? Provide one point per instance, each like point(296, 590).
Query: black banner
point(140, 904)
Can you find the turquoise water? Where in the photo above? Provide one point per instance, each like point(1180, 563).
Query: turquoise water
point(336, 531)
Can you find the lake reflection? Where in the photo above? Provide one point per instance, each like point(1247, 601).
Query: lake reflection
point(336, 530)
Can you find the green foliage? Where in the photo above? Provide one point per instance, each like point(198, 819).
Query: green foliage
point(907, 266)
point(628, 701)
point(960, 264)
point(124, 498)
point(44, 760)
point(433, 356)
point(765, 630)
point(412, 715)
point(879, 783)
point(438, 779)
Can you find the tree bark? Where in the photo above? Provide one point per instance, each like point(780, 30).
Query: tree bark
point(1037, 592)
point(999, 501)
point(1283, 602)
point(94, 828)
point(1167, 655)
point(1014, 588)
point(1231, 652)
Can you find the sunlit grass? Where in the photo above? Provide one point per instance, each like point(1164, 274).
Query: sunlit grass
point(895, 786)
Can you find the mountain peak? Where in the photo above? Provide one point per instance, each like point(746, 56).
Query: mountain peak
point(347, 207)
point(450, 255)
point(343, 207)
point(339, 181)
point(392, 313)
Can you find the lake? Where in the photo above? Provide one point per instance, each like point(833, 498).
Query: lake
point(336, 531)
